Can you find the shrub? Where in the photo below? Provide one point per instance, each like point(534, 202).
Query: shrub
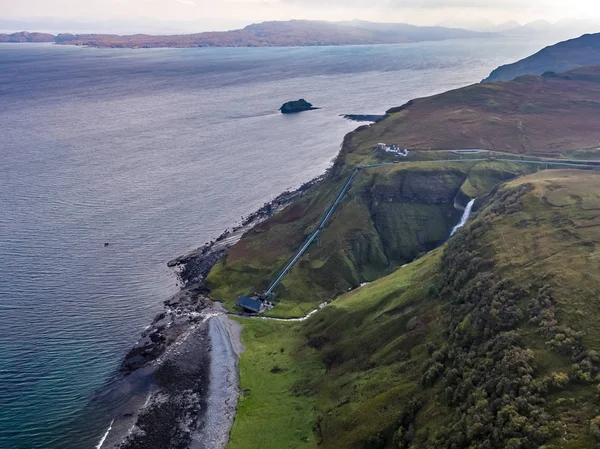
point(595, 427)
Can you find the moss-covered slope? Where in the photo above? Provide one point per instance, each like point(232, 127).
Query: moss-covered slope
point(487, 342)
point(389, 216)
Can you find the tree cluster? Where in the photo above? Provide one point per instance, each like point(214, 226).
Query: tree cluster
point(586, 364)
point(486, 374)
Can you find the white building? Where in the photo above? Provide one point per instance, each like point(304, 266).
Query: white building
point(392, 149)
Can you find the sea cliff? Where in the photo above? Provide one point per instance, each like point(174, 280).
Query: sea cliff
point(394, 215)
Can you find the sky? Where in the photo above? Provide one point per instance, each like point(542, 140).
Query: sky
point(223, 14)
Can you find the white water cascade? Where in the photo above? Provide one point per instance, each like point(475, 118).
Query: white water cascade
point(464, 218)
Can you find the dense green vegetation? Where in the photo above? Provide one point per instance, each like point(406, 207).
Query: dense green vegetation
point(488, 342)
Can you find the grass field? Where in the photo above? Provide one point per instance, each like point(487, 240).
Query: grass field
point(270, 414)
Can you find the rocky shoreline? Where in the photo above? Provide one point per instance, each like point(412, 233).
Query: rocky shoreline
point(363, 117)
point(192, 304)
point(189, 355)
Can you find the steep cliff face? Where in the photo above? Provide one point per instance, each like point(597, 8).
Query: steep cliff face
point(388, 218)
point(413, 212)
point(421, 186)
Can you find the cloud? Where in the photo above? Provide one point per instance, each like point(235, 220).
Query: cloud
point(416, 4)
point(456, 4)
point(421, 12)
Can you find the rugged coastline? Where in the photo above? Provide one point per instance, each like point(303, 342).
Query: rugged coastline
point(189, 352)
point(187, 358)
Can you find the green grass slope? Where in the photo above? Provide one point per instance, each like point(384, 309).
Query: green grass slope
point(487, 342)
point(389, 216)
point(270, 414)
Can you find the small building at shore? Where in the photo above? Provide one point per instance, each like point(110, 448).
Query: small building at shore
point(251, 305)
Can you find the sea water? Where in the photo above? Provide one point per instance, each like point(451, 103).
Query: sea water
point(155, 152)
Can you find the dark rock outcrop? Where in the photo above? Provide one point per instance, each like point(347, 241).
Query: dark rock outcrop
point(181, 311)
point(292, 107)
point(363, 117)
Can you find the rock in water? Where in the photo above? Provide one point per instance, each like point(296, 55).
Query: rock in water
point(363, 117)
point(292, 107)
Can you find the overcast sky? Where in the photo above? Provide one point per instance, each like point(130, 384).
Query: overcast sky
point(422, 12)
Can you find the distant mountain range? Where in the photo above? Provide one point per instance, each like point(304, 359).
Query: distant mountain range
point(290, 33)
point(25, 36)
point(480, 25)
point(563, 29)
point(562, 57)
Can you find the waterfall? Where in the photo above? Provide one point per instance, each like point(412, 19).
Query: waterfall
point(465, 217)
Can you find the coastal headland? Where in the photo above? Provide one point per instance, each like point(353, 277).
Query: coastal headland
point(391, 280)
point(267, 34)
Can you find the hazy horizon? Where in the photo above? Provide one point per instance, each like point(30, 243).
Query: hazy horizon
point(215, 15)
point(146, 25)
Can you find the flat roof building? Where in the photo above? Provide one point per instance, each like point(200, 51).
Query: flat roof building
point(251, 305)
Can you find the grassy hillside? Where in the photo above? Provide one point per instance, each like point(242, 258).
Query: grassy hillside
point(488, 342)
point(389, 217)
point(531, 115)
point(564, 56)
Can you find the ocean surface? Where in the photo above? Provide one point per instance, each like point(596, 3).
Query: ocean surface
point(156, 152)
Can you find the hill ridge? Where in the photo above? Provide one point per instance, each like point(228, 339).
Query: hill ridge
point(560, 57)
point(272, 33)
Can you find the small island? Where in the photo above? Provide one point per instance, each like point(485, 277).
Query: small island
point(292, 107)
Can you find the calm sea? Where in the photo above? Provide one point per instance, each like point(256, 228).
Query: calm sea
point(156, 152)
